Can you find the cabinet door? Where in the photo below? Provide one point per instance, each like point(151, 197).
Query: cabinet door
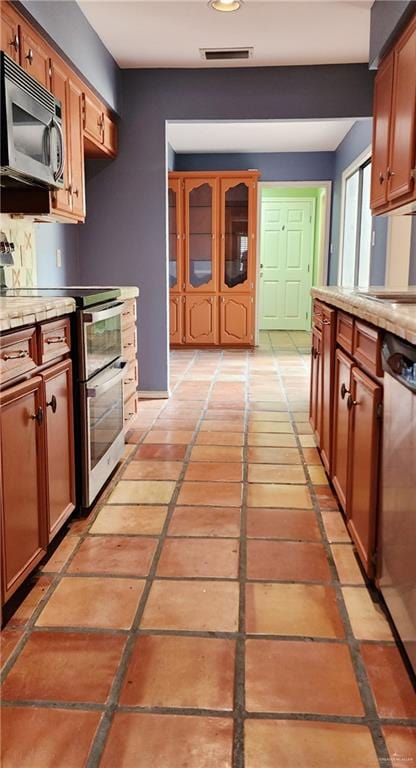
point(342, 377)
point(363, 452)
point(22, 473)
point(61, 199)
point(110, 135)
point(236, 324)
point(403, 121)
point(59, 423)
point(93, 119)
point(237, 260)
point(176, 319)
point(77, 191)
point(9, 33)
point(315, 400)
point(327, 378)
point(35, 56)
point(201, 321)
point(175, 235)
point(383, 85)
point(201, 236)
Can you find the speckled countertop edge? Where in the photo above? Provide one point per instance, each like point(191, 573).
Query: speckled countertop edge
point(399, 319)
point(15, 313)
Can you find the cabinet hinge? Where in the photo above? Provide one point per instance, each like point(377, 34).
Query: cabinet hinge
point(309, 267)
point(307, 315)
point(379, 411)
point(413, 174)
point(183, 339)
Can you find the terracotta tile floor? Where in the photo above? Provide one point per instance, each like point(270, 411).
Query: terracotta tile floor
point(210, 611)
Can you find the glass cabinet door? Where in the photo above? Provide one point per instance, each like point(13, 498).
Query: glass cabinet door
point(201, 239)
point(175, 236)
point(236, 230)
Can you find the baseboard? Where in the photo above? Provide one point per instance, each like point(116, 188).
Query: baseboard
point(153, 394)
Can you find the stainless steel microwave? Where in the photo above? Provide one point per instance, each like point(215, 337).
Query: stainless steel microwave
point(32, 143)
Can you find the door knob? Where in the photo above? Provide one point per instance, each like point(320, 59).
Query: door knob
point(344, 391)
point(29, 56)
point(38, 416)
point(52, 404)
point(261, 266)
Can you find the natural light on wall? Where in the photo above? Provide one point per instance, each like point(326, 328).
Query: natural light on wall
point(356, 234)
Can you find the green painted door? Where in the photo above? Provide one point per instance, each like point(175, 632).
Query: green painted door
point(286, 252)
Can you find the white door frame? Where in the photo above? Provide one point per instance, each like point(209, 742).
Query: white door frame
point(352, 168)
point(323, 256)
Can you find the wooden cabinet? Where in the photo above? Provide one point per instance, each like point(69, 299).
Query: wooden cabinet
point(212, 253)
point(59, 428)
point(100, 130)
point(176, 306)
point(342, 385)
point(23, 509)
point(76, 189)
point(129, 346)
point(236, 323)
point(34, 55)
point(201, 320)
point(61, 199)
point(393, 181)
point(9, 32)
point(364, 403)
point(315, 401)
point(327, 383)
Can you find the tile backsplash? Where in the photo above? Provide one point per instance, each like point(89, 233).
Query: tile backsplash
point(21, 232)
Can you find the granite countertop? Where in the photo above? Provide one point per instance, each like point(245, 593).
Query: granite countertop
point(126, 291)
point(15, 312)
point(399, 319)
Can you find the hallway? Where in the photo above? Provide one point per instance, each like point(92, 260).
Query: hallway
point(210, 612)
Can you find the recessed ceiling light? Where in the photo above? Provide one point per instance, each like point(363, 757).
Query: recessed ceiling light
point(226, 5)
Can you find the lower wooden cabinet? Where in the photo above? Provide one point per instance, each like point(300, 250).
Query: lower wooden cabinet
point(342, 383)
point(201, 319)
point(364, 403)
point(59, 427)
point(315, 402)
point(176, 308)
point(131, 376)
point(23, 509)
point(327, 370)
point(236, 324)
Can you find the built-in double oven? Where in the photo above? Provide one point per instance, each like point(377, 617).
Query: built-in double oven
point(100, 382)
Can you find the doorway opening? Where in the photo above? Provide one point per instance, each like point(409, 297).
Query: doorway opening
point(293, 226)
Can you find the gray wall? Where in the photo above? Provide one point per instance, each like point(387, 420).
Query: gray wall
point(274, 166)
point(50, 237)
point(388, 17)
point(69, 30)
point(124, 238)
point(354, 143)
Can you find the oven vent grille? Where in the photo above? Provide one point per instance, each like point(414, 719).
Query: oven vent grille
point(225, 54)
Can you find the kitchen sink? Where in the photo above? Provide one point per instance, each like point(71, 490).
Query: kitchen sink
point(397, 297)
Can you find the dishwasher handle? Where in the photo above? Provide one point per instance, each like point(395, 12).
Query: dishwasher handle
point(399, 360)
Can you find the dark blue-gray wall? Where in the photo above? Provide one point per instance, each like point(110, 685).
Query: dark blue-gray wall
point(388, 18)
point(273, 166)
point(355, 142)
point(124, 238)
point(49, 238)
point(68, 29)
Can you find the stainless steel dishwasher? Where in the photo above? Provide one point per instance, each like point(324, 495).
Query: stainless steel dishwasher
point(397, 579)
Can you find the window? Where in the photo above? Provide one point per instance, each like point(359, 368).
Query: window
point(356, 235)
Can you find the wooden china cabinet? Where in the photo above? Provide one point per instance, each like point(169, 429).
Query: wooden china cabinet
point(212, 252)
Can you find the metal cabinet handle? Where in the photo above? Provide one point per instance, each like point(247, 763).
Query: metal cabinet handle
point(29, 56)
point(128, 344)
point(344, 391)
point(325, 321)
point(381, 178)
point(15, 42)
point(128, 381)
point(52, 404)
point(16, 355)
point(38, 416)
point(390, 173)
point(55, 339)
point(351, 402)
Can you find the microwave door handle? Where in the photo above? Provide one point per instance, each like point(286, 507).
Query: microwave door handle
point(102, 314)
point(57, 174)
point(99, 389)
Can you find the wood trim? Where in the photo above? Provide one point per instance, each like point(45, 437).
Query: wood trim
point(175, 186)
point(214, 174)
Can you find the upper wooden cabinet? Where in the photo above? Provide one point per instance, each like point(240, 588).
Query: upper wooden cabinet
point(393, 181)
point(88, 125)
point(212, 252)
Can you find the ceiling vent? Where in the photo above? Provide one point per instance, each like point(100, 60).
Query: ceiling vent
point(225, 54)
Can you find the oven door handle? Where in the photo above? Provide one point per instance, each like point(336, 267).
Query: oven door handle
point(102, 314)
point(98, 389)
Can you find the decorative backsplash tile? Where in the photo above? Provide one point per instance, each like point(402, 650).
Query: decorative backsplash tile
point(21, 232)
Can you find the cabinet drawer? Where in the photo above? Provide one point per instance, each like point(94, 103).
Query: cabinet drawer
point(54, 340)
point(18, 354)
point(129, 313)
point(129, 342)
point(131, 408)
point(317, 314)
point(345, 331)
point(131, 380)
point(367, 348)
